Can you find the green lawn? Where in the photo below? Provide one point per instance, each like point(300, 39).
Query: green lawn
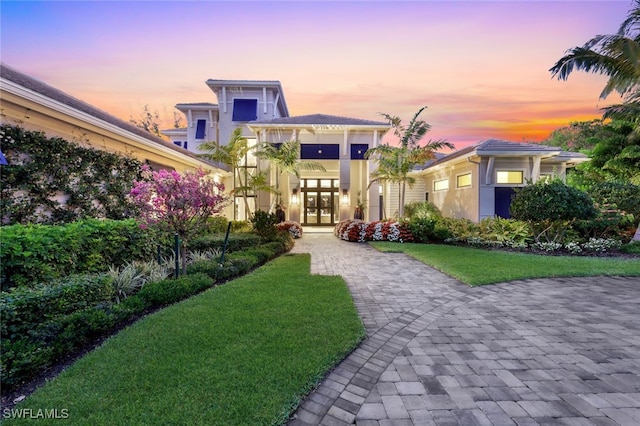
point(477, 266)
point(242, 353)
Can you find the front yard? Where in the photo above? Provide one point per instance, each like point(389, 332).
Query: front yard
point(242, 353)
point(475, 266)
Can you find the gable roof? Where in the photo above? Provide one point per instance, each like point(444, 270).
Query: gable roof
point(34, 85)
point(321, 120)
point(502, 148)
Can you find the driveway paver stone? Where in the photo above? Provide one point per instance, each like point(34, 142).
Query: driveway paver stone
point(562, 351)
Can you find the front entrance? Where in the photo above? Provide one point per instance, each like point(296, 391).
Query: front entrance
point(320, 202)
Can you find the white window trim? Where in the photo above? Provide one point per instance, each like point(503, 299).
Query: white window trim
point(233, 105)
point(523, 171)
point(441, 180)
point(466, 186)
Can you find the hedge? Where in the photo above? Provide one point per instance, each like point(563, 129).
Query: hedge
point(42, 325)
point(31, 254)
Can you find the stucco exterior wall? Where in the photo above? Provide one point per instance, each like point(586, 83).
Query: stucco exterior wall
point(84, 130)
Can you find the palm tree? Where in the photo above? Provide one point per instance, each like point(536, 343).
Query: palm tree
point(234, 155)
point(614, 55)
point(395, 162)
point(286, 158)
point(618, 57)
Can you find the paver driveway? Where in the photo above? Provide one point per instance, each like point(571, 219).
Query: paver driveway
point(544, 351)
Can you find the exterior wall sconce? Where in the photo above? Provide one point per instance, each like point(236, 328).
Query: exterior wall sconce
point(345, 197)
point(294, 198)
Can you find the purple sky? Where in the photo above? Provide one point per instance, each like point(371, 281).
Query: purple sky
point(481, 67)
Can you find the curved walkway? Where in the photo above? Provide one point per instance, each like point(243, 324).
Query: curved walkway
point(531, 352)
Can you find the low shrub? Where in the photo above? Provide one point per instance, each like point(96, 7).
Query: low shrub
point(421, 210)
point(265, 225)
point(236, 242)
point(632, 248)
point(22, 308)
point(359, 231)
point(294, 228)
point(172, 290)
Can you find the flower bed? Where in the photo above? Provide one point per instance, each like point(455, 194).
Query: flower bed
point(294, 228)
point(356, 230)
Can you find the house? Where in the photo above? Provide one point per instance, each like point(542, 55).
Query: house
point(478, 181)
point(474, 182)
point(337, 143)
point(37, 106)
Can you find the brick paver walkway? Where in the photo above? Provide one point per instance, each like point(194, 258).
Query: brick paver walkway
point(533, 352)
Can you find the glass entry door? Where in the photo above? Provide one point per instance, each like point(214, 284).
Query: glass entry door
point(320, 202)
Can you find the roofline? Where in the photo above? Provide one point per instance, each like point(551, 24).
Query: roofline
point(212, 83)
point(39, 98)
point(197, 106)
point(259, 126)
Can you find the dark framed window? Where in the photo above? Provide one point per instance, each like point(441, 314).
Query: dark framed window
point(358, 150)
point(320, 151)
point(245, 109)
point(201, 126)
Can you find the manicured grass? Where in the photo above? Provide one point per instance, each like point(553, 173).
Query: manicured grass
point(242, 353)
point(477, 266)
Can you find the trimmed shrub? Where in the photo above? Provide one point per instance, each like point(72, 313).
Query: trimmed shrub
point(550, 207)
point(236, 242)
point(551, 201)
point(22, 308)
point(38, 253)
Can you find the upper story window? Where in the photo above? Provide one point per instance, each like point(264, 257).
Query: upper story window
point(441, 185)
point(510, 176)
point(201, 126)
point(245, 109)
point(463, 181)
point(358, 150)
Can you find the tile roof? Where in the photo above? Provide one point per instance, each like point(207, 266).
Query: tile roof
point(321, 119)
point(35, 85)
point(499, 147)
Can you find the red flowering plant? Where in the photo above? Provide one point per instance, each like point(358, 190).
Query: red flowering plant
point(177, 203)
point(294, 228)
point(360, 231)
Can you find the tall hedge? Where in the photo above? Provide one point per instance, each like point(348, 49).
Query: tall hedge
point(30, 254)
point(53, 181)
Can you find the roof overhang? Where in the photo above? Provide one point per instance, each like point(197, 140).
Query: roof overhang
point(216, 85)
point(182, 155)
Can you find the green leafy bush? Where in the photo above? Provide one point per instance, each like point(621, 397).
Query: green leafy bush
point(265, 225)
point(632, 248)
point(236, 242)
point(22, 308)
point(30, 254)
point(550, 200)
point(551, 207)
point(421, 210)
point(507, 231)
point(622, 196)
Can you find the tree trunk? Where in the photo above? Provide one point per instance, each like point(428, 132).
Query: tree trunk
point(636, 236)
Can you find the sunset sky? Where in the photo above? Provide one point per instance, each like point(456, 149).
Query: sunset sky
point(481, 67)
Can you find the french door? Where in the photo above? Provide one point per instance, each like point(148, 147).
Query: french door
point(320, 202)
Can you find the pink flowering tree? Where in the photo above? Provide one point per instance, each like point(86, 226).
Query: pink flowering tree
point(177, 203)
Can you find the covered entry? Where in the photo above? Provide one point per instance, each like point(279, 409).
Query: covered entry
point(320, 202)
